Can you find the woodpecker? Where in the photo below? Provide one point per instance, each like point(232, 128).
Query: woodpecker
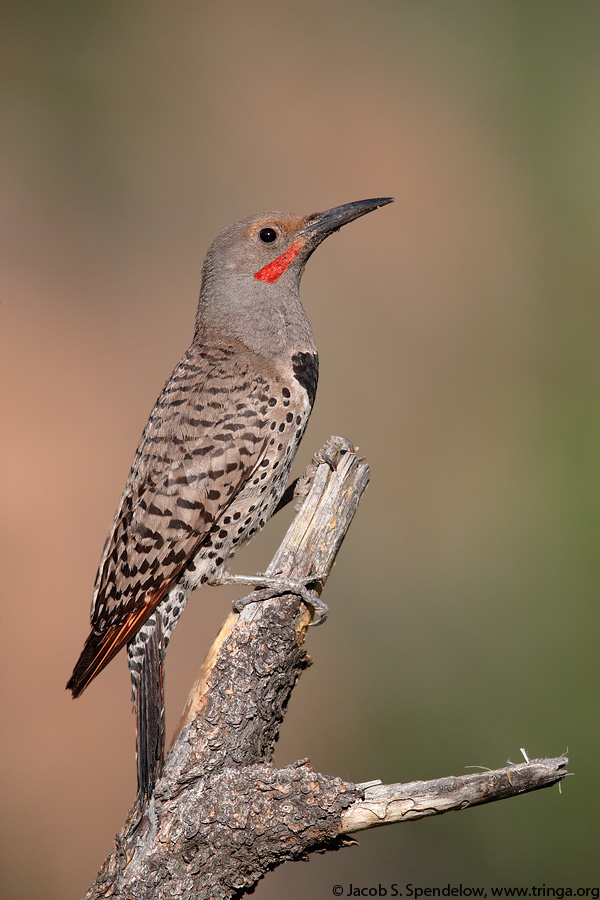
point(214, 458)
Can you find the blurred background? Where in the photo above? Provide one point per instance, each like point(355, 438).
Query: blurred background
point(458, 331)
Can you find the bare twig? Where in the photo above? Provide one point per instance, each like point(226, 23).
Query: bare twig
point(387, 803)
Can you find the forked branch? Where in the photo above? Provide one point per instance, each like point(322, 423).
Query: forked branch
point(222, 816)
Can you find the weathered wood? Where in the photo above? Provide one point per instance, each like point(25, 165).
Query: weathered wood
point(222, 816)
point(386, 803)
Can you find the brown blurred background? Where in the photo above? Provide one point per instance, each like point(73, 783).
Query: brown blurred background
point(458, 331)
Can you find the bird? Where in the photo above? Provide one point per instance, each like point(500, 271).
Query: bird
point(215, 456)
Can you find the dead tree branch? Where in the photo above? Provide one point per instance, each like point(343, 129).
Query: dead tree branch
point(386, 803)
point(222, 816)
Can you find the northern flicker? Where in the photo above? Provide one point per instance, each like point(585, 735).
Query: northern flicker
point(214, 458)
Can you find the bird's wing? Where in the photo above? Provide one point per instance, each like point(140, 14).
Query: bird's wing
point(205, 436)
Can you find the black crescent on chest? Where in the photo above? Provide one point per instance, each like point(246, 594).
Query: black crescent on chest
point(306, 371)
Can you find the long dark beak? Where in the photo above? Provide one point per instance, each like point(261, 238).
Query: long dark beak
point(322, 224)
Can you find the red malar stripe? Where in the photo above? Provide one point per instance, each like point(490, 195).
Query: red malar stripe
point(274, 270)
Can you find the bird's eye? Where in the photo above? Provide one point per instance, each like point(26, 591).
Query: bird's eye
point(267, 235)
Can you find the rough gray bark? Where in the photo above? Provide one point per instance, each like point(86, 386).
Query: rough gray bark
point(222, 816)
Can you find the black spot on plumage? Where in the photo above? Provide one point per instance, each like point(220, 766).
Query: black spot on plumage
point(203, 451)
point(174, 557)
point(180, 525)
point(155, 510)
point(189, 504)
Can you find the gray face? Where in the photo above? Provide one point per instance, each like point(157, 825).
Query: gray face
point(247, 246)
point(251, 280)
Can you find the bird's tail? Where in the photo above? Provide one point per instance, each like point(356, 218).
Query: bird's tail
point(102, 646)
point(150, 709)
point(98, 651)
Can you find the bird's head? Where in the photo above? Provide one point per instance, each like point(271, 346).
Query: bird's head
point(254, 266)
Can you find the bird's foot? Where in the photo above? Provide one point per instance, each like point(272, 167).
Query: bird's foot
point(330, 453)
point(269, 586)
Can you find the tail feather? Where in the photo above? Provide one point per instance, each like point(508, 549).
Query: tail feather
point(151, 714)
point(98, 651)
point(100, 648)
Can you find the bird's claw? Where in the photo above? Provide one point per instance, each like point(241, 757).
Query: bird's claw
point(270, 586)
point(330, 453)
